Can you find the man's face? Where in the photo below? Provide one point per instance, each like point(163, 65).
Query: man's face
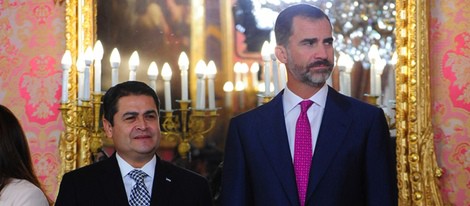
point(309, 55)
point(136, 130)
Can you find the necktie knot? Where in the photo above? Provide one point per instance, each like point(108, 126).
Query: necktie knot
point(137, 175)
point(304, 105)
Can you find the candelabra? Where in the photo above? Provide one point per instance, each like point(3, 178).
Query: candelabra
point(81, 142)
point(189, 126)
point(82, 138)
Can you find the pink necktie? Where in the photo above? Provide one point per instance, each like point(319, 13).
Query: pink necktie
point(303, 150)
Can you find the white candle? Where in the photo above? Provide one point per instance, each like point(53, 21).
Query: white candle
point(254, 69)
point(152, 73)
point(81, 75)
point(282, 76)
point(275, 76)
point(240, 88)
point(115, 61)
point(211, 71)
point(379, 68)
point(183, 63)
point(66, 64)
point(266, 56)
point(237, 70)
point(200, 90)
point(345, 64)
point(98, 54)
point(244, 69)
point(373, 54)
point(275, 67)
point(86, 79)
point(166, 75)
point(228, 89)
point(133, 64)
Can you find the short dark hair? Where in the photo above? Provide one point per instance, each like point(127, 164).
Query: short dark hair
point(283, 25)
point(112, 96)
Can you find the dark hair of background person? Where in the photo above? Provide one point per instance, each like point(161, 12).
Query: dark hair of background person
point(110, 99)
point(283, 25)
point(15, 157)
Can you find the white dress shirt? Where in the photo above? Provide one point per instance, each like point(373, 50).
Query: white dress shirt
point(148, 168)
point(291, 101)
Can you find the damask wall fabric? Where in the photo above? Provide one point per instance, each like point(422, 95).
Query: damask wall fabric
point(450, 86)
point(32, 41)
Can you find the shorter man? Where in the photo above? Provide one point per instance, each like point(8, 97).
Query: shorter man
point(134, 174)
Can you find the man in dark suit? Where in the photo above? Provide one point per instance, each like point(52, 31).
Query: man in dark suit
point(134, 174)
point(335, 150)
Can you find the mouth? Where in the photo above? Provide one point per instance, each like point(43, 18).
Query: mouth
point(142, 137)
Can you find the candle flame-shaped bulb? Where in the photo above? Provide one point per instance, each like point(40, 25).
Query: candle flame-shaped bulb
point(211, 69)
point(373, 53)
point(254, 67)
point(236, 67)
point(228, 86)
point(265, 51)
point(88, 56)
point(183, 61)
point(244, 68)
point(66, 60)
point(272, 46)
point(200, 67)
point(80, 63)
point(166, 72)
point(152, 72)
point(134, 60)
point(115, 58)
point(98, 51)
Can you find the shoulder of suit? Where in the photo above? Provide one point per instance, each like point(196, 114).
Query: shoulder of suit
point(91, 169)
point(178, 171)
point(343, 99)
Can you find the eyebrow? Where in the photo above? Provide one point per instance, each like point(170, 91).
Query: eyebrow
point(310, 41)
point(329, 39)
point(315, 40)
point(136, 113)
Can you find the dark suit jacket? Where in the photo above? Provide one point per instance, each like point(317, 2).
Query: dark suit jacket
point(353, 163)
point(101, 184)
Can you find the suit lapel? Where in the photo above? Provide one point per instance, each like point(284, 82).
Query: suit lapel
point(112, 182)
point(273, 138)
point(333, 130)
point(162, 187)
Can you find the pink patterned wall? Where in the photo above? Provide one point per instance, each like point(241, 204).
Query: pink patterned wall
point(32, 40)
point(450, 86)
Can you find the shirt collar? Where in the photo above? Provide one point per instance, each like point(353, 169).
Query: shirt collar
point(290, 100)
point(148, 168)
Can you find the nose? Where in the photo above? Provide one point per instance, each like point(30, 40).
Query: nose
point(141, 124)
point(321, 52)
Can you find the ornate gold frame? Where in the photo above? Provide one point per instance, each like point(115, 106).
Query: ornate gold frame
point(416, 160)
point(417, 167)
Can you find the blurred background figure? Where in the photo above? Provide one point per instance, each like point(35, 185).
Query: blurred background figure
point(18, 183)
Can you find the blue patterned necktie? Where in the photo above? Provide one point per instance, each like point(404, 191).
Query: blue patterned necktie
point(139, 194)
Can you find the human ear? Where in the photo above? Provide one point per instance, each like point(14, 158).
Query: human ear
point(281, 54)
point(108, 128)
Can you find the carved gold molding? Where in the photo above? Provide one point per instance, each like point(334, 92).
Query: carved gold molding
point(416, 160)
point(80, 21)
